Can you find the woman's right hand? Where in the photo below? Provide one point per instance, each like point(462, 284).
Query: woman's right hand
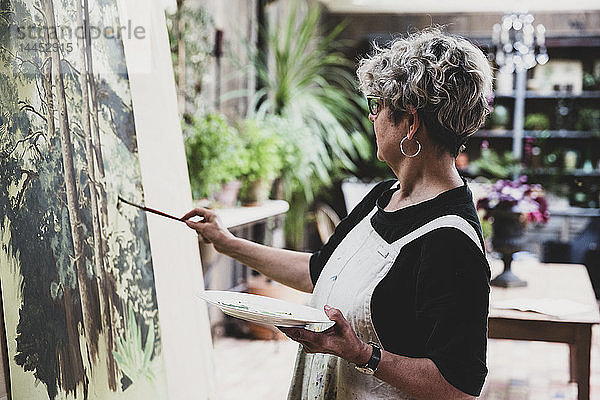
point(210, 228)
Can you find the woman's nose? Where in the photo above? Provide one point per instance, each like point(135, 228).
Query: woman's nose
point(372, 118)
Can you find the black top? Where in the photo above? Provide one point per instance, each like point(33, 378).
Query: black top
point(434, 301)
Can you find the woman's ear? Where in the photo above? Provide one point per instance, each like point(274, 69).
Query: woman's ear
point(414, 121)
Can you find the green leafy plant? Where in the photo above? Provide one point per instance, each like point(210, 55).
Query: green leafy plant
point(499, 117)
point(588, 119)
point(494, 165)
point(215, 154)
point(537, 122)
point(591, 81)
point(261, 158)
point(308, 91)
point(190, 30)
point(261, 155)
point(309, 84)
point(132, 357)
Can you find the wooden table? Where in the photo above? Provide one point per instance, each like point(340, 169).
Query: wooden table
point(549, 281)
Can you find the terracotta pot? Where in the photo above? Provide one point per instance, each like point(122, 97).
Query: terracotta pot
point(256, 193)
point(228, 195)
point(277, 191)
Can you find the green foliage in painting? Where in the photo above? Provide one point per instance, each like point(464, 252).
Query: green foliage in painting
point(48, 214)
point(132, 357)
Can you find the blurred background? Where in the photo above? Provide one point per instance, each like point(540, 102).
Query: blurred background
point(278, 141)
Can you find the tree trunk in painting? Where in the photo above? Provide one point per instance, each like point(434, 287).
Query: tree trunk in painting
point(101, 178)
point(99, 255)
point(109, 282)
point(71, 364)
point(95, 125)
point(88, 290)
point(49, 96)
point(101, 183)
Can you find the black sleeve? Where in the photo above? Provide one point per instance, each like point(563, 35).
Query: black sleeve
point(362, 209)
point(452, 300)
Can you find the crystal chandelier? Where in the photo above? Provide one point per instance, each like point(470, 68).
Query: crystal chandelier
point(517, 45)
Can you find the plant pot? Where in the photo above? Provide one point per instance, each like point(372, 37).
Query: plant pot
point(256, 193)
point(278, 189)
point(507, 239)
point(228, 195)
point(499, 118)
point(508, 231)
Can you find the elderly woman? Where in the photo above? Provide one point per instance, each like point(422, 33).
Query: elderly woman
point(404, 277)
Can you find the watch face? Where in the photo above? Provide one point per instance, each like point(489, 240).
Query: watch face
point(365, 370)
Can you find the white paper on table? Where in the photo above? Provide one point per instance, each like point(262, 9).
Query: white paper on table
point(559, 308)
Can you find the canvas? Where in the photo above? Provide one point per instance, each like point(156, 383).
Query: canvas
point(185, 326)
point(76, 270)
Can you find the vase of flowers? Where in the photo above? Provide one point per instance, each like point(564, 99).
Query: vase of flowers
point(511, 206)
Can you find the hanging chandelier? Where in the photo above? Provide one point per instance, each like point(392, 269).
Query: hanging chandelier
point(517, 45)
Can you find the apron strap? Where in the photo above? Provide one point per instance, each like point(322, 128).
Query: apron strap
point(446, 221)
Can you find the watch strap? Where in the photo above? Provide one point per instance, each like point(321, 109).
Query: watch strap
point(373, 362)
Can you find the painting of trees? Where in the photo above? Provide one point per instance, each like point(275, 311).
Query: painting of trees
point(75, 271)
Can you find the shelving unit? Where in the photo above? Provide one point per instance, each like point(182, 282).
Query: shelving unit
point(560, 172)
point(586, 94)
point(547, 134)
point(549, 166)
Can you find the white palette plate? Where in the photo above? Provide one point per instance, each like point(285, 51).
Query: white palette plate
point(264, 310)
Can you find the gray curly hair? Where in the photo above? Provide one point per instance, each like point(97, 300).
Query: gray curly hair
point(444, 77)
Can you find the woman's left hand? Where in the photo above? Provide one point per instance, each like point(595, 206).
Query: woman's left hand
point(339, 340)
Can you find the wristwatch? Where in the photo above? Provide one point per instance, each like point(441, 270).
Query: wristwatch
point(370, 367)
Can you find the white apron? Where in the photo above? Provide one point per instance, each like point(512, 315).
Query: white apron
point(347, 282)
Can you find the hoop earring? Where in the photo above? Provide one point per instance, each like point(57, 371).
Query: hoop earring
point(402, 149)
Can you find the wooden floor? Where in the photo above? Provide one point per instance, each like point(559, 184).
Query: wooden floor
point(253, 370)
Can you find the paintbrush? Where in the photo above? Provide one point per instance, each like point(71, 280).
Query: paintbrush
point(151, 210)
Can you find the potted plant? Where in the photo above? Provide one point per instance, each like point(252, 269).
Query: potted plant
point(537, 122)
point(499, 118)
point(588, 119)
point(261, 161)
point(511, 205)
point(493, 165)
point(308, 89)
point(214, 154)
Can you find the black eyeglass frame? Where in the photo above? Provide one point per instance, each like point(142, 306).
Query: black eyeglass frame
point(375, 104)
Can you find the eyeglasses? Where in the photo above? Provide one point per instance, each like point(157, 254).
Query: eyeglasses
point(375, 104)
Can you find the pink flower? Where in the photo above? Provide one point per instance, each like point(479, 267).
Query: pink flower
point(517, 196)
